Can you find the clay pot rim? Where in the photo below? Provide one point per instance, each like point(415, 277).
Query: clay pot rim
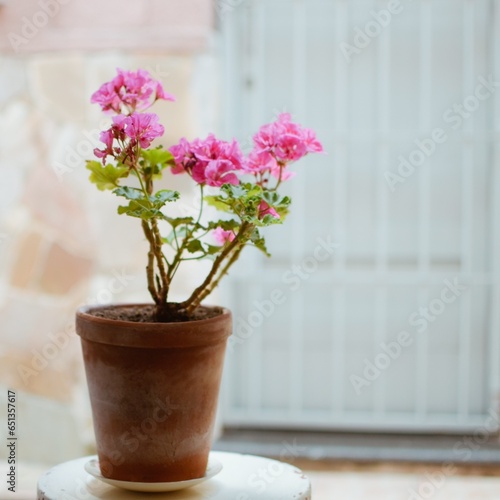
point(151, 335)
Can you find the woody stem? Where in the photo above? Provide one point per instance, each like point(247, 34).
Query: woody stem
point(195, 299)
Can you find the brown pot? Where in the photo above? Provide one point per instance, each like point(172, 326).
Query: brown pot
point(153, 390)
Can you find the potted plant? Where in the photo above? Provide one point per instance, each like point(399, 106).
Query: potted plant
point(153, 370)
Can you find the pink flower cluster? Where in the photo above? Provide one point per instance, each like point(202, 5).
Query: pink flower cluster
point(278, 144)
point(214, 162)
point(129, 91)
point(211, 161)
point(140, 128)
point(126, 93)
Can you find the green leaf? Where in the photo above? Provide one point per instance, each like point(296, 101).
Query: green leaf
point(283, 211)
point(271, 197)
point(218, 202)
point(141, 209)
point(286, 200)
point(157, 156)
point(235, 191)
point(227, 225)
point(259, 242)
point(165, 195)
point(129, 193)
point(212, 249)
point(106, 177)
point(269, 220)
point(176, 222)
point(195, 246)
point(153, 161)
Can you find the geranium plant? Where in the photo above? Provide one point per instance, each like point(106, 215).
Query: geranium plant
point(244, 188)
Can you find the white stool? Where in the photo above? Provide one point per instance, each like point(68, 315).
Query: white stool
point(243, 477)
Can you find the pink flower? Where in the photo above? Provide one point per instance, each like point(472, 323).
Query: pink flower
point(290, 147)
point(209, 161)
point(266, 209)
point(183, 156)
point(143, 128)
point(312, 143)
point(161, 94)
point(198, 171)
point(279, 143)
point(222, 237)
point(130, 90)
point(264, 162)
point(107, 97)
point(119, 122)
point(107, 137)
point(219, 172)
point(260, 162)
point(214, 149)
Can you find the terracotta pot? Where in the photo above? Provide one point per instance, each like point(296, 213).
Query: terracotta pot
point(153, 389)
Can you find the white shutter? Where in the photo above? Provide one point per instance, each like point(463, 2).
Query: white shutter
point(398, 249)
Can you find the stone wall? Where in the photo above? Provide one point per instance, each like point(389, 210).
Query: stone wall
point(61, 242)
point(162, 25)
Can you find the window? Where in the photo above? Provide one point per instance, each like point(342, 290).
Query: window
point(399, 329)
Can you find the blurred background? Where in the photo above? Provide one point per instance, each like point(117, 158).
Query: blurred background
point(373, 332)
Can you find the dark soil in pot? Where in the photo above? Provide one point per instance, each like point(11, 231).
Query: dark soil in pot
point(150, 314)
